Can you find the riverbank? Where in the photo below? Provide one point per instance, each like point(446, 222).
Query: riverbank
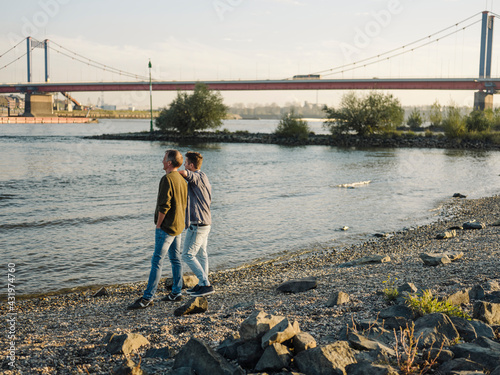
point(409, 140)
point(64, 334)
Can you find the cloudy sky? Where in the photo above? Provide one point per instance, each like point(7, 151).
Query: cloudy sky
point(247, 39)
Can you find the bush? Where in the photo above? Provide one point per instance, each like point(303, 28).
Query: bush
point(187, 114)
point(478, 121)
point(415, 119)
point(291, 125)
point(435, 115)
point(425, 304)
point(454, 124)
point(374, 113)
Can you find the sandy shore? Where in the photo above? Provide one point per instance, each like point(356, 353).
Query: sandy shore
point(64, 334)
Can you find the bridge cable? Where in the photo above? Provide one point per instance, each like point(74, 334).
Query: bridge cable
point(6, 52)
point(396, 55)
point(396, 49)
point(99, 65)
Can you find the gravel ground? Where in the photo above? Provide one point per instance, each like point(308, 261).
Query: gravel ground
point(64, 333)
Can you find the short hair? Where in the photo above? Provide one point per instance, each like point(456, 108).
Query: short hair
point(175, 157)
point(195, 158)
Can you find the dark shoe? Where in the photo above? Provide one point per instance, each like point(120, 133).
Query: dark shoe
point(172, 297)
point(203, 291)
point(193, 290)
point(140, 303)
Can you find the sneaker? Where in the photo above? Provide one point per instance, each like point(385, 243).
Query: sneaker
point(203, 291)
point(172, 297)
point(193, 290)
point(140, 303)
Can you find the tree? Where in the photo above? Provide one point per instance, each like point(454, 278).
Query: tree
point(291, 125)
point(478, 121)
point(415, 119)
point(372, 114)
point(453, 123)
point(435, 114)
point(187, 114)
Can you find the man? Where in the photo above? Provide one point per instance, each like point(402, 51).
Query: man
point(198, 223)
point(170, 217)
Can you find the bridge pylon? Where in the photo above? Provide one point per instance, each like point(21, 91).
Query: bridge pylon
point(484, 99)
point(38, 104)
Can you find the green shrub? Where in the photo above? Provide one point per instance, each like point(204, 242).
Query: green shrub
point(425, 304)
point(291, 125)
point(415, 119)
point(478, 121)
point(390, 290)
point(454, 123)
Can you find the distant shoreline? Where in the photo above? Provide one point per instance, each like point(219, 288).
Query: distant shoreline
point(373, 141)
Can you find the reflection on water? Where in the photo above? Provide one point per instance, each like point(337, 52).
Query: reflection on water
point(78, 212)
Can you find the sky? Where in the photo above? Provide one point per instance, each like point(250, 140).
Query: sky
point(195, 40)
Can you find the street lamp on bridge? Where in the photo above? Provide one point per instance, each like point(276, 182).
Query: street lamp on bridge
point(150, 97)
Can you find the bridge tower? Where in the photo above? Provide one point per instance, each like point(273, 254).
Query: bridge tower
point(484, 99)
point(38, 104)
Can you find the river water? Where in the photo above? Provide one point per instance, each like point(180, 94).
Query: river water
point(77, 212)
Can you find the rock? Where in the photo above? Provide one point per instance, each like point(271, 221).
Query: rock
point(229, 347)
point(454, 255)
point(492, 286)
point(303, 341)
point(328, 359)
point(436, 329)
point(249, 353)
point(188, 281)
point(446, 235)
point(204, 360)
point(337, 298)
point(101, 293)
point(396, 311)
point(473, 225)
point(280, 333)
point(487, 357)
point(496, 223)
point(182, 371)
point(458, 365)
point(344, 228)
point(430, 259)
point(194, 305)
point(365, 368)
point(158, 353)
point(459, 298)
point(477, 292)
point(360, 342)
point(441, 355)
point(464, 328)
point(126, 344)
point(369, 259)
point(258, 323)
point(298, 286)
point(128, 367)
point(275, 357)
point(407, 287)
point(458, 195)
point(487, 312)
point(496, 371)
point(482, 329)
point(395, 323)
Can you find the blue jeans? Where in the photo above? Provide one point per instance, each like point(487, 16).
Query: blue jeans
point(195, 252)
point(165, 243)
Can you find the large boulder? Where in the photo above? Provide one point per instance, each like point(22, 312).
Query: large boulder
point(436, 330)
point(329, 359)
point(337, 298)
point(303, 341)
point(431, 259)
point(280, 333)
point(275, 357)
point(368, 368)
point(360, 342)
point(487, 312)
point(488, 357)
point(298, 286)
point(369, 259)
point(258, 323)
point(196, 305)
point(126, 344)
point(204, 360)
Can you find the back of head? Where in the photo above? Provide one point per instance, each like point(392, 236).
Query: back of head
point(195, 158)
point(175, 157)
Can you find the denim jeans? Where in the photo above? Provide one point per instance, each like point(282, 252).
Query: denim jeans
point(165, 243)
point(195, 252)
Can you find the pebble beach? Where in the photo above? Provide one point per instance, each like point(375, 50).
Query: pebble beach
point(64, 333)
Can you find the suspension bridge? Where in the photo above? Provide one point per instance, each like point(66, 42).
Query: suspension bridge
point(39, 94)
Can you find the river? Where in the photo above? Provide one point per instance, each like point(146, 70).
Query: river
point(77, 212)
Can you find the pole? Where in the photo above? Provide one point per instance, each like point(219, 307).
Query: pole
point(489, 46)
point(150, 97)
point(482, 53)
point(46, 47)
point(28, 45)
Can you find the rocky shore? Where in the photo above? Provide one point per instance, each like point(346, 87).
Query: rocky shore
point(383, 141)
point(85, 332)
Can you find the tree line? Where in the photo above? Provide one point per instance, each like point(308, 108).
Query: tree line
point(364, 115)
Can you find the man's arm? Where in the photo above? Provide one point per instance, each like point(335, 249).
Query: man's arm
point(161, 217)
point(183, 173)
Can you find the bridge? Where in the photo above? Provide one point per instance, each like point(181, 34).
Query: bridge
point(39, 94)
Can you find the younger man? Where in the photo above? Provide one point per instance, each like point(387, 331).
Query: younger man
point(169, 219)
point(198, 223)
